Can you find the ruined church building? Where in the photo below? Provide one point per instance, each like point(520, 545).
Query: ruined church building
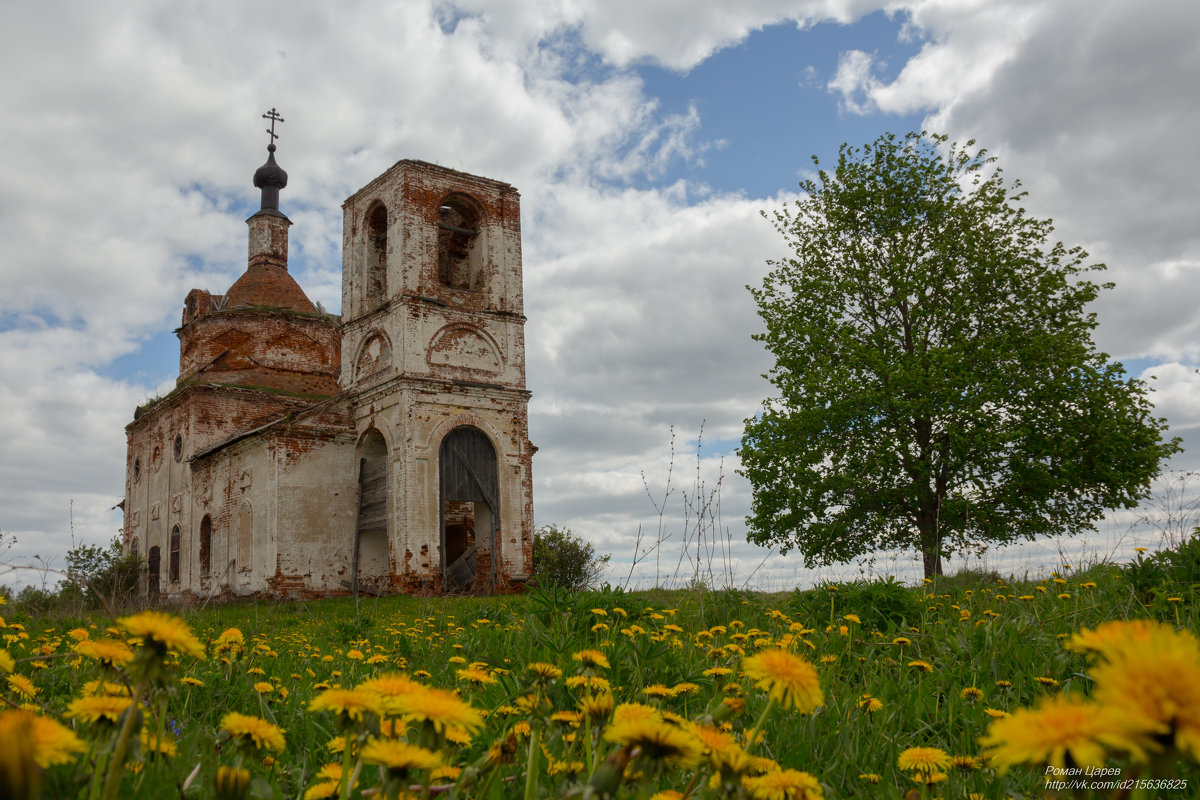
point(386, 450)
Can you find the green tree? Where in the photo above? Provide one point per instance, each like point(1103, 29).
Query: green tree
point(560, 558)
point(938, 384)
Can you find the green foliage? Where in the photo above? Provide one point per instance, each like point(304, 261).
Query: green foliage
point(562, 559)
point(102, 574)
point(882, 604)
point(938, 384)
point(1167, 573)
point(95, 576)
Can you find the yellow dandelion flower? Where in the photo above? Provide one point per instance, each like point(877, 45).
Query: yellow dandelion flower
point(929, 778)
point(7, 663)
point(399, 757)
point(596, 706)
point(47, 741)
point(789, 679)
point(966, 763)
point(110, 651)
point(1045, 681)
point(870, 777)
point(1158, 684)
point(590, 659)
point(261, 733)
point(786, 784)
point(685, 688)
point(659, 741)
point(1064, 727)
point(325, 790)
point(971, 694)
point(153, 744)
point(589, 683)
point(456, 660)
point(540, 669)
point(921, 666)
point(923, 759)
point(94, 709)
point(901, 641)
point(571, 718)
point(996, 713)
point(22, 686)
point(444, 774)
point(164, 632)
point(599, 612)
point(658, 690)
point(352, 704)
point(190, 681)
point(440, 708)
point(634, 712)
point(262, 687)
point(476, 677)
point(870, 704)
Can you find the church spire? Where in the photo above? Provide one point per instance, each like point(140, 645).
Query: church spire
point(271, 177)
point(268, 225)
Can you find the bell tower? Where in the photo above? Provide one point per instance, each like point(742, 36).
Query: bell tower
point(433, 351)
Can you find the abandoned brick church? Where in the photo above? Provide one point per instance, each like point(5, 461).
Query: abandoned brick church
point(386, 450)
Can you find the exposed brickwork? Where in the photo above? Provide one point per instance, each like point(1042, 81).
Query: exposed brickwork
point(275, 401)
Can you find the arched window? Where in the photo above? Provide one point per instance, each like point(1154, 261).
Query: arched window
point(173, 568)
point(133, 547)
point(245, 552)
point(460, 251)
point(371, 567)
point(376, 257)
point(205, 546)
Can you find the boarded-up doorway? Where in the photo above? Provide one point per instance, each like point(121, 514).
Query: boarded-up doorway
point(469, 510)
point(154, 564)
point(371, 571)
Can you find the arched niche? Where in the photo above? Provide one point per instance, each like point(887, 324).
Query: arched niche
point(464, 347)
point(374, 354)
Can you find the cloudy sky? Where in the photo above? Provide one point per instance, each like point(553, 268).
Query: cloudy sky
point(645, 138)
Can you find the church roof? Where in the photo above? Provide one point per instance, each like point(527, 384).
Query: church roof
point(270, 286)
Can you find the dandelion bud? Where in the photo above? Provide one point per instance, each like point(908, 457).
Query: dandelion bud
point(232, 783)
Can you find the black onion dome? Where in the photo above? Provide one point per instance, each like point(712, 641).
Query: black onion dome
point(270, 177)
point(270, 173)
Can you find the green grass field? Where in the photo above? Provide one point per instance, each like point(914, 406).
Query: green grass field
point(908, 680)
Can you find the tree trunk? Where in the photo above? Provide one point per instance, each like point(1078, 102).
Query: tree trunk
point(931, 549)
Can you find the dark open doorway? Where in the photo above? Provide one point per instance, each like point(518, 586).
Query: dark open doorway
point(372, 571)
point(469, 510)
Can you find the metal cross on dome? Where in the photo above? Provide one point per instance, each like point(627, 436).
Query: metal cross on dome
point(273, 115)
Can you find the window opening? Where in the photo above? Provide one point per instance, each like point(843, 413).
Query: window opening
point(376, 256)
point(459, 258)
